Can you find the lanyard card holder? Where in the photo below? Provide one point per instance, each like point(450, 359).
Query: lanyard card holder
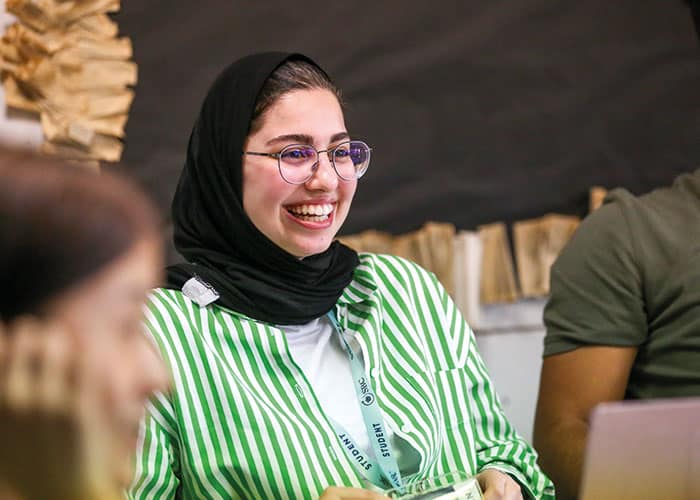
point(451, 486)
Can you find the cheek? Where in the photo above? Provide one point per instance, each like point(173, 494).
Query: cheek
point(264, 202)
point(263, 193)
point(348, 192)
point(259, 206)
point(111, 371)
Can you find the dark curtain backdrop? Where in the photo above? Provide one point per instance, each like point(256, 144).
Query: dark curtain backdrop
point(477, 110)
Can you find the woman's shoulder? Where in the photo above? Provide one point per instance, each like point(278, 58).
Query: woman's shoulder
point(393, 270)
point(374, 259)
point(171, 303)
point(164, 296)
point(179, 307)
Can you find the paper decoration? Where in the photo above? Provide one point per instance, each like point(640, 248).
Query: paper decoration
point(537, 245)
point(62, 59)
point(497, 274)
point(432, 247)
point(467, 275)
point(477, 267)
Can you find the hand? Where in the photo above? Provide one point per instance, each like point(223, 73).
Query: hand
point(340, 493)
point(497, 485)
point(48, 426)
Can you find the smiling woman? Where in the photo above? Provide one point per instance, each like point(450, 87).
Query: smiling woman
point(302, 369)
point(304, 217)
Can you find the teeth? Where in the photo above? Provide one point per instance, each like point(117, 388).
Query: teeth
point(318, 210)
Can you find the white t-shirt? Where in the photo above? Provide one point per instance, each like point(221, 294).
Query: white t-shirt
point(317, 349)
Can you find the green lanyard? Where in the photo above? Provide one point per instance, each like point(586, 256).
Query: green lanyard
point(384, 470)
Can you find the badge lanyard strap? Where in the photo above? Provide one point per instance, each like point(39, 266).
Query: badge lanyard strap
point(366, 465)
point(374, 422)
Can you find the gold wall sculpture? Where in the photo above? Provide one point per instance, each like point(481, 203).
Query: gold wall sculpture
point(64, 61)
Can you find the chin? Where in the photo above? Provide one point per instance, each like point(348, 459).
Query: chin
point(304, 251)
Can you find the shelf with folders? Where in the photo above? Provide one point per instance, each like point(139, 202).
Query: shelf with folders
point(477, 268)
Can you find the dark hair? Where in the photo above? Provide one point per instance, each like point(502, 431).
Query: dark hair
point(292, 75)
point(60, 224)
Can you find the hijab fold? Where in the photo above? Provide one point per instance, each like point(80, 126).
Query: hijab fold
point(251, 274)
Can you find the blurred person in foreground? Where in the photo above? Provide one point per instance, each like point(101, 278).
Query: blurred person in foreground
point(78, 253)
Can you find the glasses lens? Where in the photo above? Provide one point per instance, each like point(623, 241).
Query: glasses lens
point(296, 162)
point(351, 159)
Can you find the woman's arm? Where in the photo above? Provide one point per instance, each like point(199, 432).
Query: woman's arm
point(476, 414)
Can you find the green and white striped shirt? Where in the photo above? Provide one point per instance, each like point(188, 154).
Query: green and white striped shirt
point(242, 421)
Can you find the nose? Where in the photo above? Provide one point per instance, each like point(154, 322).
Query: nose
point(324, 177)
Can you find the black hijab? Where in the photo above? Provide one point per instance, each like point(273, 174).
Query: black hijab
point(251, 274)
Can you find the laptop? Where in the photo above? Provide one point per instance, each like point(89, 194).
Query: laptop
point(643, 450)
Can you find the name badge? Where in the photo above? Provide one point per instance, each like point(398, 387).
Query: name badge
point(199, 292)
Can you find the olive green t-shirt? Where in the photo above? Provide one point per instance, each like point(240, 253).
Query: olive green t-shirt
point(630, 276)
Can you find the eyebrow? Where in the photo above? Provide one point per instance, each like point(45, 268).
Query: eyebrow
point(304, 138)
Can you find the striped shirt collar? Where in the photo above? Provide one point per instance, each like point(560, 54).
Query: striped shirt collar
point(363, 285)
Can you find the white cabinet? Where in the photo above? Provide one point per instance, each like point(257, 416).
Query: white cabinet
point(510, 338)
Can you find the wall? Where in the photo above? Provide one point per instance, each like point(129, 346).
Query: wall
point(476, 111)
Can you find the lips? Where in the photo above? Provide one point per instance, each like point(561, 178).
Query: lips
point(311, 212)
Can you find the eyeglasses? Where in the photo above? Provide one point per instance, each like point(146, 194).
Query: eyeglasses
point(298, 162)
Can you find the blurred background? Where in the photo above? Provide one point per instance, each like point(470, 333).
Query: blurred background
point(478, 111)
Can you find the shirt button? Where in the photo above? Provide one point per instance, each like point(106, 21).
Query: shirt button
point(374, 372)
point(300, 390)
point(406, 429)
